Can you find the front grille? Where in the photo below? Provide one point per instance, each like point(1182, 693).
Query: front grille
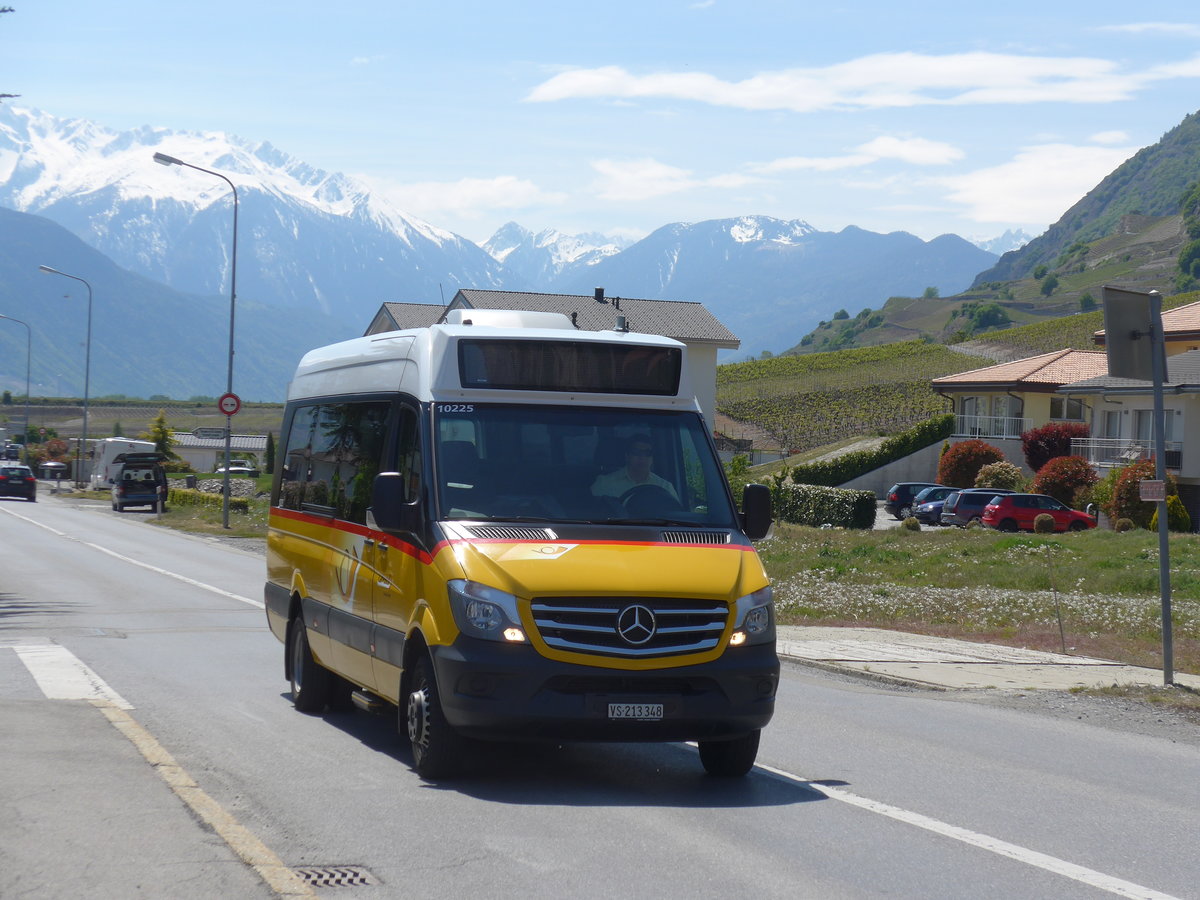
point(695, 537)
point(593, 625)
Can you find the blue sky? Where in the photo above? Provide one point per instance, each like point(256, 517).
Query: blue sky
point(621, 117)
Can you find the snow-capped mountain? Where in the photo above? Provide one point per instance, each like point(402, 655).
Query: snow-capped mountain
point(764, 278)
point(542, 258)
point(1010, 240)
point(307, 238)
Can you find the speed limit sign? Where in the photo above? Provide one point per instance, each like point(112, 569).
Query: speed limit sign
point(229, 404)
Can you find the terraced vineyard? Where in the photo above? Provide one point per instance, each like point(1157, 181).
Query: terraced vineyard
point(820, 398)
point(817, 399)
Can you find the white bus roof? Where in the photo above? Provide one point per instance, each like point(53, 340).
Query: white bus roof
point(423, 362)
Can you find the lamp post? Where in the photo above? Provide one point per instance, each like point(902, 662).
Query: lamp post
point(87, 366)
point(164, 159)
point(28, 359)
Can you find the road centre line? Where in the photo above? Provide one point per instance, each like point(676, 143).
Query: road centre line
point(1075, 872)
point(137, 562)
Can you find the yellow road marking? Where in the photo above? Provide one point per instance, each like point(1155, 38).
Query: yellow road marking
point(282, 880)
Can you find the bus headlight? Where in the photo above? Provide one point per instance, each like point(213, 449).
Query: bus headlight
point(755, 623)
point(485, 612)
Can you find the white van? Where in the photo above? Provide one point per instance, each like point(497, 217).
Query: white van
point(507, 528)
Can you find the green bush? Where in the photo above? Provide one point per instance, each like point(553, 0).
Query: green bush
point(841, 469)
point(1043, 523)
point(1123, 525)
point(960, 465)
point(1177, 516)
point(1125, 502)
point(815, 505)
point(911, 524)
point(189, 497)
point(1001, 475)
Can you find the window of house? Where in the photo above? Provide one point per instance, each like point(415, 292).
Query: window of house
point(1066, 408)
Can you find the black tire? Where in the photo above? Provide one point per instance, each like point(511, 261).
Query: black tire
point(1008, 525)
point(1076, 526)
point(730, 759)
point(310, 682)
point(438, 750)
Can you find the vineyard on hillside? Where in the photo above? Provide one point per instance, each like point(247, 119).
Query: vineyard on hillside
point(817, 399)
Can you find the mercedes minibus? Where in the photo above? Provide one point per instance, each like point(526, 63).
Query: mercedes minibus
point(507, 528)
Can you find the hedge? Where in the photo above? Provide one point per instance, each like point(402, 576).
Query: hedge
point(190, 497)
point(841, 469)
point(815, 505)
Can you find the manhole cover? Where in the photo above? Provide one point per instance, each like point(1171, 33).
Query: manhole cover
point(335, 876)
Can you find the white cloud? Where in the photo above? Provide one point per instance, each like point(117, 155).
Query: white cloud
point(1170, 28)
point(469, 197)
point(641, 179)
point(367, 60)
point(1110, 137)
point(884, 80)
point(1037, 186)
point(916, 151)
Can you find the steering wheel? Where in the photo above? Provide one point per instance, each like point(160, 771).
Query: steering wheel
point(649, 499)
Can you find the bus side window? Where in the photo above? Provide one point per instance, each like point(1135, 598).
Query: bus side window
point(408, 453)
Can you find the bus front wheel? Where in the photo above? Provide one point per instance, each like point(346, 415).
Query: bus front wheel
point(436, 748)
point(730, 759)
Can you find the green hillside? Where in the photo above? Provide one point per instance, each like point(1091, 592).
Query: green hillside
point(817, 399)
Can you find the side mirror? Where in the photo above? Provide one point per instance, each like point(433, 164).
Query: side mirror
point(389, 504)
point(756, 511)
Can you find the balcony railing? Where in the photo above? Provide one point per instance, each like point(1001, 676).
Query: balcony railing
point(1112, 452)
point(990, 426)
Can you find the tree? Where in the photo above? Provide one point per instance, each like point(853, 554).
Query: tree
point(1049, 283)
point(270, 454)
point(841, 314)
point(1001, 475)
point(931, 293)
point(1087, 302)
point(160, 433)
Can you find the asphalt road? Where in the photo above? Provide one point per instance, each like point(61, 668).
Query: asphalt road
point(210, 785)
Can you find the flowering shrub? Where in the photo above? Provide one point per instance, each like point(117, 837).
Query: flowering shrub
point(813, 505)
point(1040, 445)
point(1001, 475)
point(1063, 477)
point(960, 465)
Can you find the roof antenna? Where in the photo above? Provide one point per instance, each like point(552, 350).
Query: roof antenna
point(445, 312)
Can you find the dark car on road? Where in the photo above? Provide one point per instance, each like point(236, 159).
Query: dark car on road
point(1016, 512)
point(140, 480)
point(966, 506)
point(899, 501)
point(927, 505)
point(18, 481)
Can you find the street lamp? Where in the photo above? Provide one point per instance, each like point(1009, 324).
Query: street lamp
point(87, 366)
point(28, 359)
point(165, 160)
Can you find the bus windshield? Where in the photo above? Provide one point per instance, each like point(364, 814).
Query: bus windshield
point(504, 462)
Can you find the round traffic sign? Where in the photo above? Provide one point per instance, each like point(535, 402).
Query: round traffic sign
point(229, 404)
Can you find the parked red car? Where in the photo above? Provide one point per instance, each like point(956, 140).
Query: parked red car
point(1015, 512)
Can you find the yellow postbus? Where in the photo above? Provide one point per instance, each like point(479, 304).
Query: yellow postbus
point(510, 529)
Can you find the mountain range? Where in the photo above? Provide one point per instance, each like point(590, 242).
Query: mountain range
point(319, 252)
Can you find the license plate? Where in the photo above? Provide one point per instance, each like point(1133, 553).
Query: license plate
point(643, 711)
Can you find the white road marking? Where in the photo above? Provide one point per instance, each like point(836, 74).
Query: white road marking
point(63, 676)
point(137, 562)
point(993, 845)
